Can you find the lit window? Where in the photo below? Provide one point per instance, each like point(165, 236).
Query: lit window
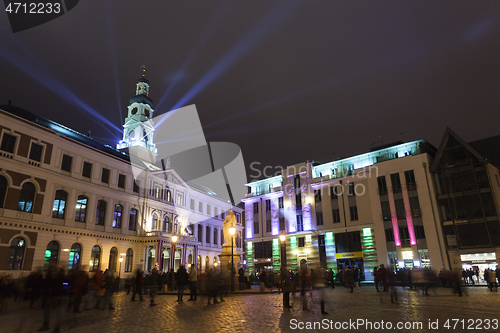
point(59, 206)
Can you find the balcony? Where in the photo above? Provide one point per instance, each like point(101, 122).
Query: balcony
point(396, 189)
point(411, 186)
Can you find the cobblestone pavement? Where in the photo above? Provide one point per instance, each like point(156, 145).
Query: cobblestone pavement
point(264, 313)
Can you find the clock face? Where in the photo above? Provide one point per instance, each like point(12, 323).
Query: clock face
point(134, 111)
point(146, 113)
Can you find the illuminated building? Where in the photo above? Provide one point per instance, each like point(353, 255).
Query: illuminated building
point(468, 187)
point(370, 209)
point(70, 200)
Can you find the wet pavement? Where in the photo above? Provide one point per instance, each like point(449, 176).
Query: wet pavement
point(439, 312)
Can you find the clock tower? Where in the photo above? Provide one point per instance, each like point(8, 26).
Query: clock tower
point(138, 128)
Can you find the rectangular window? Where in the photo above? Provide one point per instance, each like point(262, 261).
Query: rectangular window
point(354, 213)
point(179, 199)
point(36, 152)
point(386, 210)
point(396, 183)
point(8, 143)
point(298, 201)
point(105, 176)
point(350, 189)
point(216, 211)
point(389, 235)
point(209, 209)
point(255, 207)
point(157, 192)
point(317, 195)
point(410, 180)
point(301, 241)
point(333, 192)
point(336, 215)
point(319, 218)
point(237, 218)
point(136, 186)
point(268, 205)
point(87, 169)
point(400, 208)
point(282, 223)
point(300, 223)
point(256, 227)
point(280, 202)
point(382, 185)
point(121, 181)
point(268, 226)
point(66, 163)
point(192, 204)
point(200, 207)
point(132, 219)
point(296, 181)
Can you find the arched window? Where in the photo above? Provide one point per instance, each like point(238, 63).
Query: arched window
point(27, 198)
point(59, 204)
point(16, 254)
point(199, 264)
point(207, 238)
point(200, 233)
point(3, 190)
point(113, 256)
point(129, 259)
point(222, 238)
point(95, 258)
point(51, 254)
point(176, 227)
point(117, 216)
point(74, 256)
point(81, 208)
point(132, 221)
point(216, 264)
point(215, 236)
point(100, 213)
point(166, 222)
point(154, 223)
point(207, 264)
point(169, 196)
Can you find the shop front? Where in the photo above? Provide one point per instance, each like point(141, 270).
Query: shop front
point(352, 260)
point(478, 263)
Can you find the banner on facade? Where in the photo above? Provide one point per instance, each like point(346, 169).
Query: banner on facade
point(348, 255)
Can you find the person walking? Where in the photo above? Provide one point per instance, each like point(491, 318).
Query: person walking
point(262, 280)
point(331, 278)
point(153, 285)
point(320, 283)
point(287, 286)
point(138, 285)
point(383, 275)
point(241, 277)
point(349, 278)
point(376, 278)
point(193, 279)
point(182, 279)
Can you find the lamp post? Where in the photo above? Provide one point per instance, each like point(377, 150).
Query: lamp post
point(174, 240)
point(232, 231)
point(282, 242)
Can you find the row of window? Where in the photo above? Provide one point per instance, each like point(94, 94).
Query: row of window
point(208, 238)
point(17, 252)
point(300, 224)
point(396, 182)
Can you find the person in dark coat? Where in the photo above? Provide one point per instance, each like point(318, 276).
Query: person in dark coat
point(383, 275)
point(182, 279)
point(139, 285)
point(287, 287)
point(241, 277)
point(153, 284)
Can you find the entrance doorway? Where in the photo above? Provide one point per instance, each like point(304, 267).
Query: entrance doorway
point(357, 263)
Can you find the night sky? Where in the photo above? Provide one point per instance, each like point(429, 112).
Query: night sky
point(287, 81)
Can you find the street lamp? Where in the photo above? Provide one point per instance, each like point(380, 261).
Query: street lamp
point(120, 270)
point(174, 240)
point(282, 253)
point(232, 231)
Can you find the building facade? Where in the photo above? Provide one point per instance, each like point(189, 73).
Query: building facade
point(468, 197)
point(70, 200)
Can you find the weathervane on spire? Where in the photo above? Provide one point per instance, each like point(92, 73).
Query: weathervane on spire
point(143, 70)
